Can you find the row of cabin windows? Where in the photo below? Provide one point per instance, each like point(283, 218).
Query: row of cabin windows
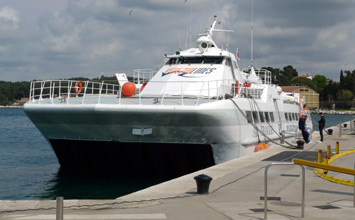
point(291, 116)
point(256, 117)
point(201, 60)
point(196, 60)
point(261, 117)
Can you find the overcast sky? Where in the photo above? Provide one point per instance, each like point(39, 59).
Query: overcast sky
point(53, 39)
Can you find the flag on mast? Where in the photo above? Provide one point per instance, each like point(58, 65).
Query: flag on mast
point(238, 54)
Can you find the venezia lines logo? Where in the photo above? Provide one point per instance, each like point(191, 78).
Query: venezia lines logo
point(189, 72)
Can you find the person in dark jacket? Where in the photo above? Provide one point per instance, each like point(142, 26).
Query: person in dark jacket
point(321, 125)
point(302, 127)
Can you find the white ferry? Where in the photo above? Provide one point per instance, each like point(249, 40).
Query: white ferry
point(198, 110)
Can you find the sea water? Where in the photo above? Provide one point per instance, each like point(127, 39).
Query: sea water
point(330, 120)
point(29, 168)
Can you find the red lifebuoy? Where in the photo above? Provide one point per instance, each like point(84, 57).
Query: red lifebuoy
point(246, 84)
point(78, 87)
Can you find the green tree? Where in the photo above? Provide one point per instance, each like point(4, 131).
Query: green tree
point(303, 81)
point(3, 100)
point(290, 71)
point(320, 81)
point(344, 95)
point(342, 78)
point(282, 77)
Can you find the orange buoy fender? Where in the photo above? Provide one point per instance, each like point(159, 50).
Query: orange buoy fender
point(78, 87)
point(260, 147)
point(236, 87)
point(128, 89)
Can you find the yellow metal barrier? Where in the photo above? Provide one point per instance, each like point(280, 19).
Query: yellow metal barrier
point(319, 156)
point(325, 163)
point(328, 167)
point(324, 166)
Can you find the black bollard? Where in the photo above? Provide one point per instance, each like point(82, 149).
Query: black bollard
point(330, 131)
point(300, 144)
point(203, 183)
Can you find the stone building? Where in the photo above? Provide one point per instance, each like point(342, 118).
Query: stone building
point(310, 96)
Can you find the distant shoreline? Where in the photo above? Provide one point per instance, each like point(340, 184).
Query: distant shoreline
point(334, 112)
point(11, 106)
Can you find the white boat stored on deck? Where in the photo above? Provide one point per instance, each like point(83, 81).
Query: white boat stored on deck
point(199, 109)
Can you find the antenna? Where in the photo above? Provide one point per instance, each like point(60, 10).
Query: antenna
point(228, 35)
point(252, 32)
point(179, 43)
point(190, 22)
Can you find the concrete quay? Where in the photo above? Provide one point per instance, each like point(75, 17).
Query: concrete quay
point(236, 191)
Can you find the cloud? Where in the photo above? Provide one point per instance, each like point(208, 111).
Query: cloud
point(85, 38)
point(8, 14)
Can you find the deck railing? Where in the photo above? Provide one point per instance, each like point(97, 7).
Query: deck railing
point(66, 89)
point(263, 74)
point(84, 92)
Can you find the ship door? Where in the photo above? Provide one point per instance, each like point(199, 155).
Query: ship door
point(278, 114)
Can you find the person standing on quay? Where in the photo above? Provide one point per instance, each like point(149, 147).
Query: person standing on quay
point(302, 127)
point(321, 125)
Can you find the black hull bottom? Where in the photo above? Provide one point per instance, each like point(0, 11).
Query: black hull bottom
point(152, 159)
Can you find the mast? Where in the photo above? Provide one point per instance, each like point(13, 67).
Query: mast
point(252, 33)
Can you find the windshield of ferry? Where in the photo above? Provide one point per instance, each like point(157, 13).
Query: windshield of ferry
point(195, 60)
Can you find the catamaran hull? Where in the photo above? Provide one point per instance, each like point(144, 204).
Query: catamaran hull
point(147, 139)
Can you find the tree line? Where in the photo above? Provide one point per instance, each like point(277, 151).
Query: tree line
point(12, 91)
point(329, 90)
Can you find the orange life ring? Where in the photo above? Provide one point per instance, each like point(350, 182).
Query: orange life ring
point(78, 87)
point(236, 87)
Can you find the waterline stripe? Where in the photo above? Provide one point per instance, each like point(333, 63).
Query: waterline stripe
point(88, 217)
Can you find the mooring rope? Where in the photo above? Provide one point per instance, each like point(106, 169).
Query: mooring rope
point(261, 132)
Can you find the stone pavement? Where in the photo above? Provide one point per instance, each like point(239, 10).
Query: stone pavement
point(236, 192)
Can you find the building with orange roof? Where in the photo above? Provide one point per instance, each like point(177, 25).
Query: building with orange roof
point(304, 76)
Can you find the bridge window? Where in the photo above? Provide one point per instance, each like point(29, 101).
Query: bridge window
point(286, 116)
point(195, 60)
point(272, 117)
point(229, 62)
point(255, 117)
point(249, 117)
point(267, 117)
point(261, 116)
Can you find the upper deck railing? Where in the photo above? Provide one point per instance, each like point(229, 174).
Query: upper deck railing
point(193, 93)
